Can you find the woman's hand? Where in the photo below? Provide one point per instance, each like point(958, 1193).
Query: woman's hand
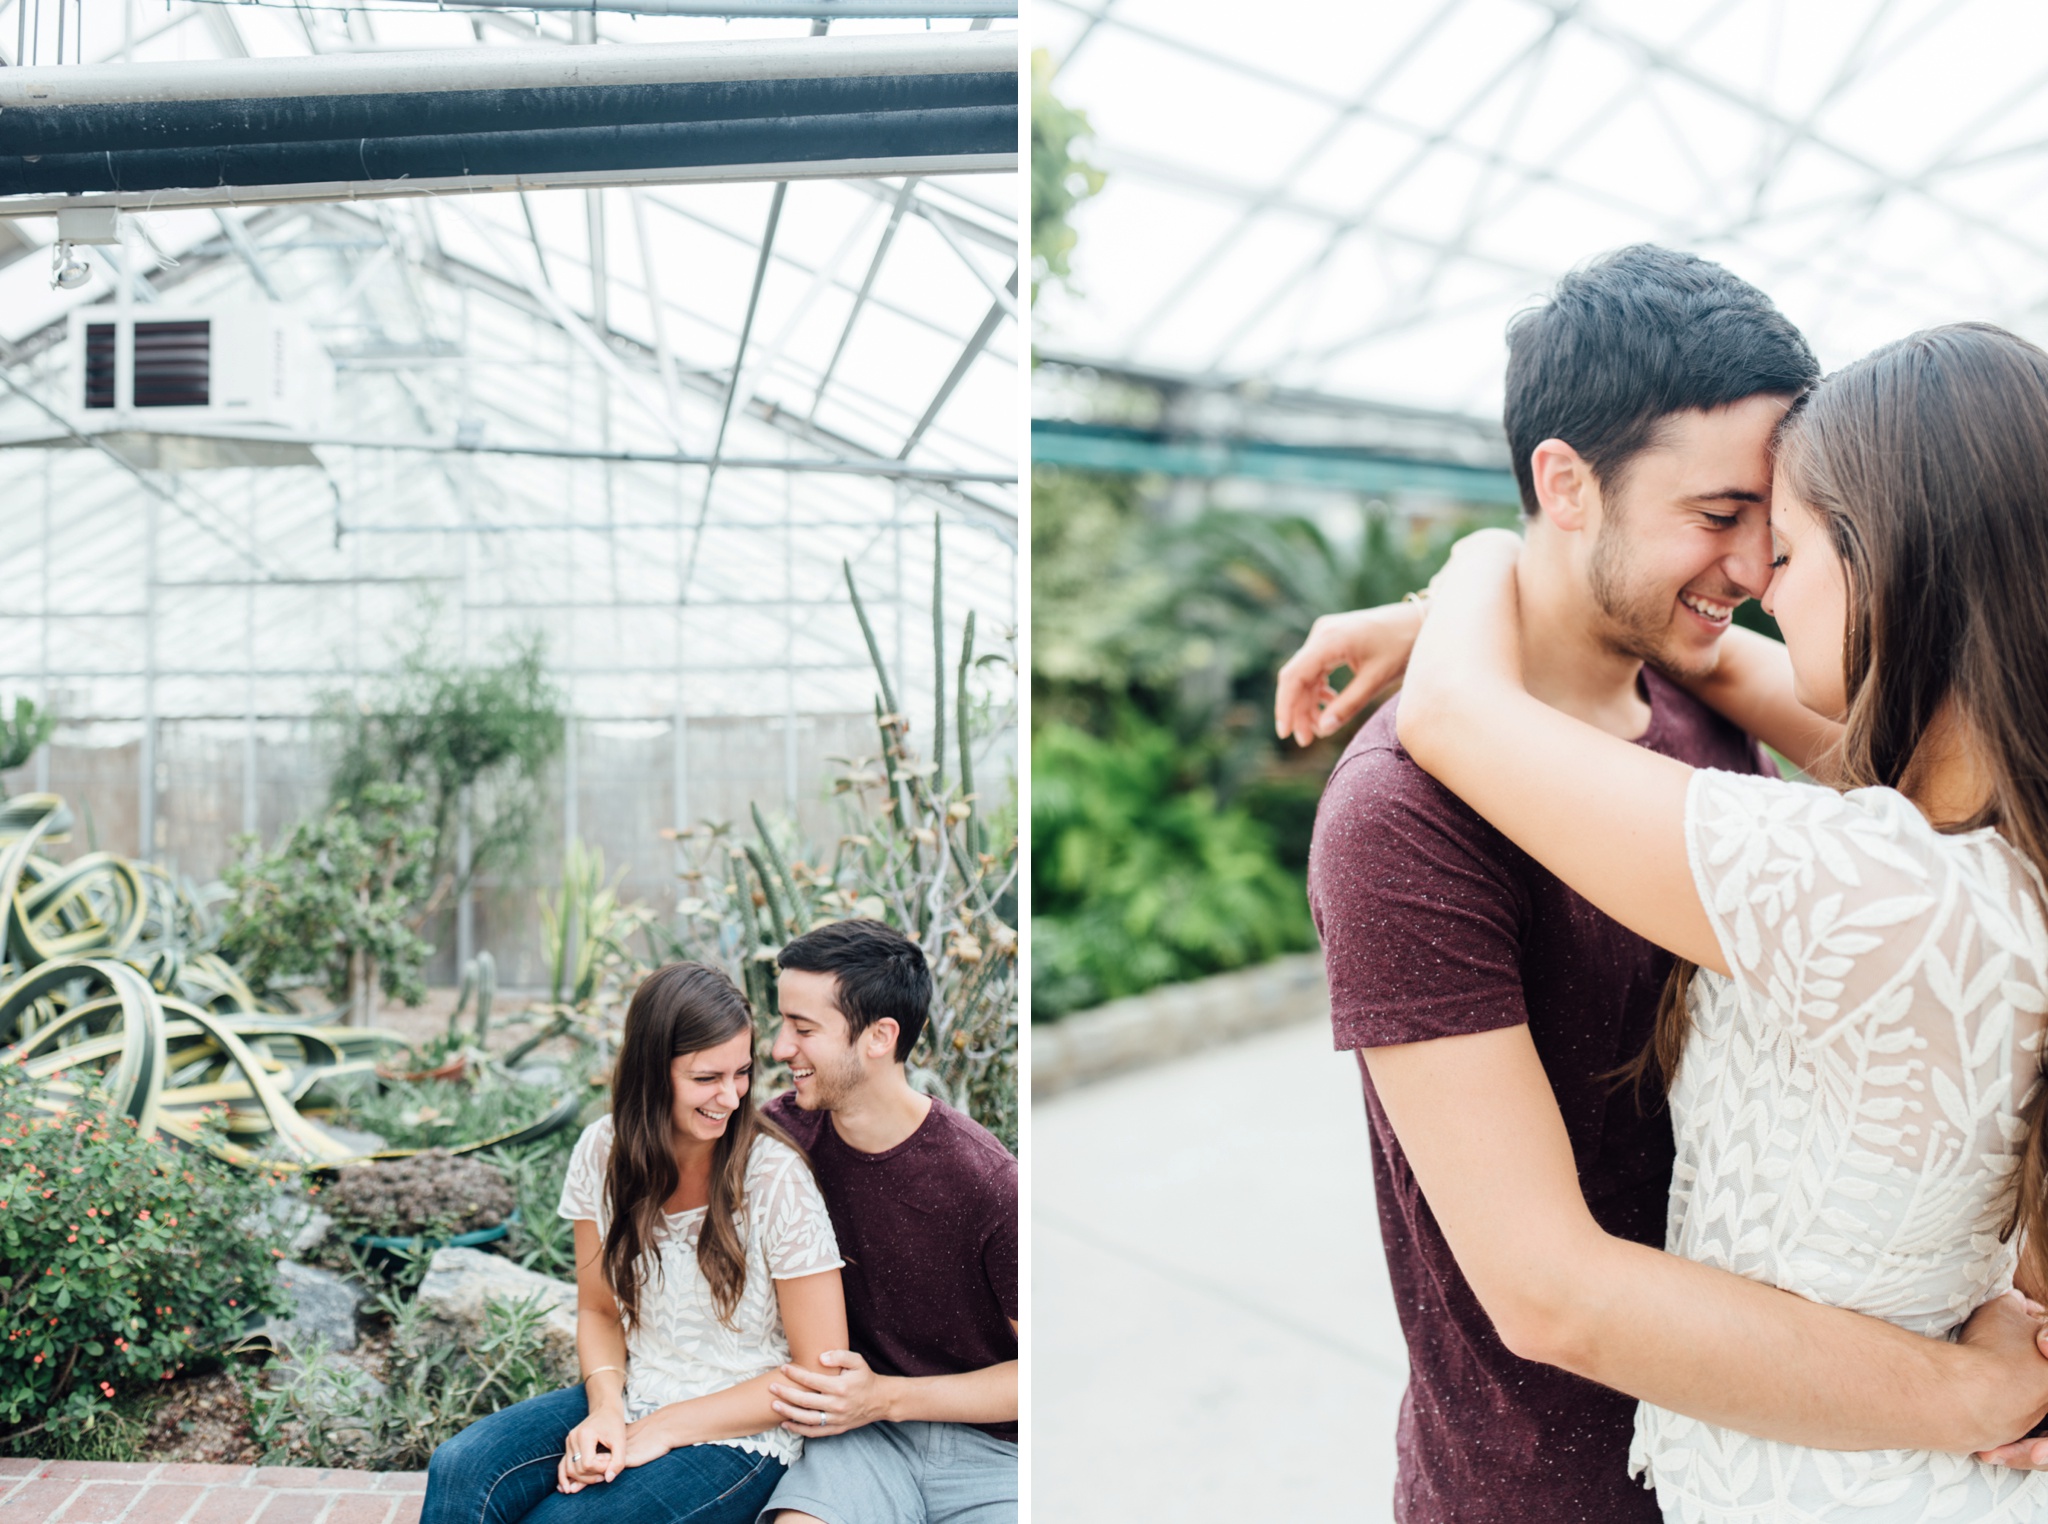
point(648, 1439)
point(1373, 643)
point(595, 1451)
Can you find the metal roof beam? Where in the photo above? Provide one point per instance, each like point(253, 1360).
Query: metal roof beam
point(975, 345)
point(867, 285)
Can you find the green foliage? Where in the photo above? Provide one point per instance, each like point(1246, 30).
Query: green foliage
point(1139, 877)
point(586, 929)
point(444, 1113)
point(1170, 828)
point(335, 904)
point(21, 735)
point(122, 1259)
point(918, 851)
point(475, 740)
point(540, 1240)
point(322, 1411)
point(115, 1432)
point(1060, 179)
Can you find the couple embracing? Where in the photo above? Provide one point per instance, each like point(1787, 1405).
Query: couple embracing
point(1705, 1104)
point(805, 1312)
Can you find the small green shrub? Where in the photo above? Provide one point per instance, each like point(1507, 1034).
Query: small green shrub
point(1140, 877)
point(540, 1240)
point(334, 905)
point(474, 739)
point(322, 1410)
point(121, 1260)
point(443, 1113)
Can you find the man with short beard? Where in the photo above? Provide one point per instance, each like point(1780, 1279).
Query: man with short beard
point(917, 1423)
point(1491, 1008)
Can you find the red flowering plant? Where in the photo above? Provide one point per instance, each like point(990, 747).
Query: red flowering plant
point(122, 1258)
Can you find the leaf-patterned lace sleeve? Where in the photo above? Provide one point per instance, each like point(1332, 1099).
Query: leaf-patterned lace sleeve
point(583, 1189)
point(1820, 901)
point(796, 1230)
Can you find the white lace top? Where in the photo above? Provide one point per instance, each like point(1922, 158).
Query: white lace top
point(1846, 1115)
point(678, 1348)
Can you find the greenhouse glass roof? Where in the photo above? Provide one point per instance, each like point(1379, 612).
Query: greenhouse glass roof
point(1356, 201)
point(530, 390)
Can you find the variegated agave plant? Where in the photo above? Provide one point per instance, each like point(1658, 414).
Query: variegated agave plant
point(109, 981)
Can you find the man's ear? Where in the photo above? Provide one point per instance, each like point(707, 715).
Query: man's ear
point(879, 1040)
point(1567, 492)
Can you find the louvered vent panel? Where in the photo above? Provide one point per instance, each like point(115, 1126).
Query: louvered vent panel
point(173, 363)
point(99, 365)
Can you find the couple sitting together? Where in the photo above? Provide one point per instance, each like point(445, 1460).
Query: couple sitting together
point(805, 1313)
point(1705, 1105)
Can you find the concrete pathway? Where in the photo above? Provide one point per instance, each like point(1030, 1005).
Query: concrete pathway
point(101, 1492)
point(1214, 1338)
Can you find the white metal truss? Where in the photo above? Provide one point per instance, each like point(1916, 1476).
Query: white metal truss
point(1356, 199)
point(533, 391)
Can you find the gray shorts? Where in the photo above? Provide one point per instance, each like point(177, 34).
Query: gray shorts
point(902, 1473)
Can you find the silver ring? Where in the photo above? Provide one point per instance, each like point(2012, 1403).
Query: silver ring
point(575, 1457)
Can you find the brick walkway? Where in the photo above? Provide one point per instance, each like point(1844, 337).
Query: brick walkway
point(100, 1492)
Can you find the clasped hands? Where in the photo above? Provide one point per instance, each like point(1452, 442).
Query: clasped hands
point(811, 1403)
point(604, 1444)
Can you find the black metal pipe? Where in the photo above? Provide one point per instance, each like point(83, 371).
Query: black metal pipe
point(948, 133)
point(125, 126)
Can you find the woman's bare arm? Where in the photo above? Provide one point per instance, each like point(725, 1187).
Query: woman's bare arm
point(1605, 815)
point(813, 1315)
point(599, 1441)
point(1752, 685)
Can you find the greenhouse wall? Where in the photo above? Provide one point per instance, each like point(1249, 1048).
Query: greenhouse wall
point(625, 796)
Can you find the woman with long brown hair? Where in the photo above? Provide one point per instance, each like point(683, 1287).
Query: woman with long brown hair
point(704, 1262)
point(1853, 1050)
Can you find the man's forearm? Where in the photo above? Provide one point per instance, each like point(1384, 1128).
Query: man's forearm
point(988, 1395)
point(1480, 1125)
point(1747, 1356)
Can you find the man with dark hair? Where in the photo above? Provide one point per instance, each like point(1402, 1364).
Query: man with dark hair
point(1490, 1007)
point(918, 1421)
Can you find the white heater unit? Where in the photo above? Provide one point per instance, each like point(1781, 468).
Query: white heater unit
point(252, 370)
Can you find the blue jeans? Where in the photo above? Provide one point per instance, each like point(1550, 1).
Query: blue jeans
point(501, 1470)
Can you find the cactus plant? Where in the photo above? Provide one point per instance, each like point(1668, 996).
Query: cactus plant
point(914, 851)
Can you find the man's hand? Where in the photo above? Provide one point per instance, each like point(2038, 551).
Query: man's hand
point(2011, 1326)
point(817, 1403)
point(1373, 643)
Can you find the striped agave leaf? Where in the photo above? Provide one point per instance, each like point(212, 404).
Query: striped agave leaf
point(104, 988)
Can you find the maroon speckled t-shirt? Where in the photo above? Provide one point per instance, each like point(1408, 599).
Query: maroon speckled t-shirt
point(928, 1230)
point(1433, 925)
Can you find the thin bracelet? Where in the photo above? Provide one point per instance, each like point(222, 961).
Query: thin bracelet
point(1421, 595)
point(603, 1368)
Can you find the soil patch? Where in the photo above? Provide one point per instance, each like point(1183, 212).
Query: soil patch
point(205, 1419)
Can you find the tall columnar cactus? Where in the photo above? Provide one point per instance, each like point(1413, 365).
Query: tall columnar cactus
point(915, 850)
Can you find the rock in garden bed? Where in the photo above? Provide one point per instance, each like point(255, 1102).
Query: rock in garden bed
point(323, 1308)
point(460, 1283)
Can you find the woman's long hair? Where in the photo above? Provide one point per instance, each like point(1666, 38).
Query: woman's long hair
point(1927, 462)
point(682, 1008)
